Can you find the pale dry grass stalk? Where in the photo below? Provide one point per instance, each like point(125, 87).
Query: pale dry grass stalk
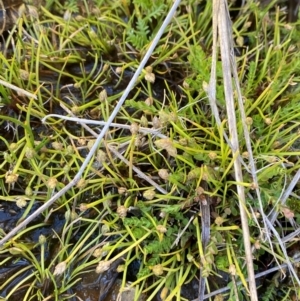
point(152, 132)
point(111, 148)
point(20, 91)
point(257, 276)
point(221, 26)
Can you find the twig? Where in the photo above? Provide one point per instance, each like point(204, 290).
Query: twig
point(20, 91)
point(113, 150)
point(179, 235)
point(226, 56)
point(262, 274)
point(154, 132)
point(137, 171)
point(103, 132)
point(205, 236)
point(285, 196)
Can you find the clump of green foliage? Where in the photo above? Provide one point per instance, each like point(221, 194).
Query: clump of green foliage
point(77, 59)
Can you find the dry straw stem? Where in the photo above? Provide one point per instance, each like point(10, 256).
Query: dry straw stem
point(103, 132)
point(273, 215)
point(205, 225)
point(221, 24)
point(83, 122)
point(267, 222)
point(21, 92)
point(257, 276)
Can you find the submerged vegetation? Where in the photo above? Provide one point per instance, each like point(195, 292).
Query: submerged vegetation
point(138, 206)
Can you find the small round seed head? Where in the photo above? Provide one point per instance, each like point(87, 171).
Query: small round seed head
point(183, 141)
point(272, 159)
point(24, 74)
point(257, 245)
point(190, 257)
point(42, 239)
point(150, 77)
point(164, 143)
point(68, 215)
point(245, 155)
point(121, 268)
point(219, 297)
point(13, 146)
point(161, 228)
point(240, 41)
point(134, 128)
point(149, 101)
point(276, 144)
point(186, 85)
point(70, 150)
point(122, 211)
point(57, 145)
point(199, 190)
point(149, 194)
point(91, 143)
point(103, 95)
point(122, 190)
point(164, 117)
point(193, 174)
point(98, 253)
point(249, 121)
point(138, 141)
point(28, 191)
point(105, 67)
point(253, 186)
point(29, 152)
point(60, 268)
point(227, 211)
point(156, 123)
point(83, 207)
point(158, 270)
point(105, 229)
point(32, 11)
point(81, 183)
point(149, 69)
point(232, 269)
point(212, 155)
point(66, 168)
point(67, 15)
point(75, 109)
point(52, 182)
point(219, 220)
point(21, 202)
point(205, 176)
point(103, 266)
point(172, 151)
point(7, 157)
point(80, 18)
point(101, 157)
point(163, 174)
point(164, 293)
point(119, 70)
point(144, 121)
point(71, 215)
point(162, 214)
point(81, 141)
point(268, 121)
point(11, 178)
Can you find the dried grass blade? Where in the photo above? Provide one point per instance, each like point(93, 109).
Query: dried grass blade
point(225, 38)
